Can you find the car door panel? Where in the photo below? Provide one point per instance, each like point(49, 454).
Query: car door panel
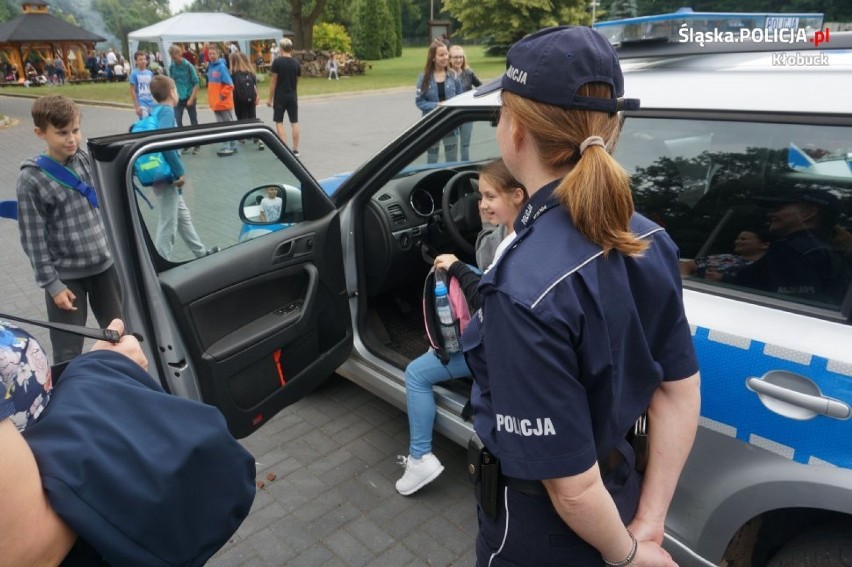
point(256, 338)
point(257, 323)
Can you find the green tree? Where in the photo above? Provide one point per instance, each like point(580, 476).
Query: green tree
point(415, 19)
point(620, 9)
point(124, 16)
point(371, 31)
point(395, 20)
point(503, 22)
point(6, 13)
point(270, 12)
point(303, 16)
point(332, 37)
point(338, 12)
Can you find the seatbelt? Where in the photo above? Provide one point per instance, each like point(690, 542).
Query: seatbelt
point(109, 335)
point(66, 177)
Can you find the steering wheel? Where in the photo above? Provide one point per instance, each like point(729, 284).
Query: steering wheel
point(460, 208)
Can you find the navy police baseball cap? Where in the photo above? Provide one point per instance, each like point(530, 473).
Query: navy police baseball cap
point(552, 64)
point(817, 197)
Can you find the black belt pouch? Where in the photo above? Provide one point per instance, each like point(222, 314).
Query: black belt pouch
point(484, 471)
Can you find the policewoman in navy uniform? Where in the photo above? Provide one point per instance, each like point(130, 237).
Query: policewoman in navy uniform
point(581, 330)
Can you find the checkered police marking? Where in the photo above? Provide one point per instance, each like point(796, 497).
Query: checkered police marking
point(820, 463)
point(728, 406)
point(840, 367)
point(788, 354)
point(717, 427)
point(729, 339)
point(770, 445)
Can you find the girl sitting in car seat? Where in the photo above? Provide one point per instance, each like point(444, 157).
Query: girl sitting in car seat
point(501, 200)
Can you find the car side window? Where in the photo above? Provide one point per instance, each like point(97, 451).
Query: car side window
point(222, 199)
point(754, 206)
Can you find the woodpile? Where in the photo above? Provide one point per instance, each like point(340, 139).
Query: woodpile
point(314, 63)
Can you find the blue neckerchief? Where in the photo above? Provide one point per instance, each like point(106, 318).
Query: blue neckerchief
point(68, 178)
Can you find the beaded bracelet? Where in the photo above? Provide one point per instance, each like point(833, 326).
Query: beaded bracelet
point(630, 556)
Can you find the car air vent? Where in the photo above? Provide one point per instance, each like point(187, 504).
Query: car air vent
point(384, 197)
point(397, 215)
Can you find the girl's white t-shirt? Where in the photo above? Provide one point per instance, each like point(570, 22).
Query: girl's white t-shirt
point(504, 244)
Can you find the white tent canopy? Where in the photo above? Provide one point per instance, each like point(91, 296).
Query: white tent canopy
point(201, 27)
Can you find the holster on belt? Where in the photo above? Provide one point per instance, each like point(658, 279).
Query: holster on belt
point(638, 438)
point(484, 471)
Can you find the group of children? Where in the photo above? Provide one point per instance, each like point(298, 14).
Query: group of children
point(61, 228)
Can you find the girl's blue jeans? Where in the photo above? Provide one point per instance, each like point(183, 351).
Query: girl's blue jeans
point(420, 375)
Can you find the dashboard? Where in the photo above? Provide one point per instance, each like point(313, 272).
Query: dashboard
point(401, 216)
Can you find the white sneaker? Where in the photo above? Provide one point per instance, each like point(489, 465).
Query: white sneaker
point(418, 473)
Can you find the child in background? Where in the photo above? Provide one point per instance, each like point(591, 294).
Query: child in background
point(271, 205)
point(220, 94)
point(62, 232)
point(140, 85)
point(173, 213)
point(502, 199)
point(245, 90)
point(468, 80)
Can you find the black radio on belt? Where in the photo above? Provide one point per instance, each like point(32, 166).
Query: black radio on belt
point(484, 471)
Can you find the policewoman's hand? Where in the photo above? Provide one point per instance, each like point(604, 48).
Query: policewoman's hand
point(650, 554)
point(647, 530)
point(128, 345)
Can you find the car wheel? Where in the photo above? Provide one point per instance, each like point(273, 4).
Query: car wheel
point(829, 545)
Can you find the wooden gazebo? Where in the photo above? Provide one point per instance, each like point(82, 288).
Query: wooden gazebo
point(38, 37)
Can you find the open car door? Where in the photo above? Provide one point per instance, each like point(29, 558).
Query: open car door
point(235, 278)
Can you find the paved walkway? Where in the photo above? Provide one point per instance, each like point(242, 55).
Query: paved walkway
point(333, 455)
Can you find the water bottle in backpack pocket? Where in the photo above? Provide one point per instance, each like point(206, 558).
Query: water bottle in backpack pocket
point(446, 313)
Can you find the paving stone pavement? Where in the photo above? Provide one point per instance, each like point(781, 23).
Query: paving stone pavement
point(333, 454)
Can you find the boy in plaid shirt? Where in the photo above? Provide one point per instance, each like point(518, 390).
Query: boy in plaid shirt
point(62, 232)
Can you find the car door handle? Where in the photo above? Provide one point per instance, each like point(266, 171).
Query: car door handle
point(812, 404)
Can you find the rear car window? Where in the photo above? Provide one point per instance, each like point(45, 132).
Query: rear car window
point(760, 207)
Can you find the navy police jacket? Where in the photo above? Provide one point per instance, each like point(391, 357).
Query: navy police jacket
point(570, 345)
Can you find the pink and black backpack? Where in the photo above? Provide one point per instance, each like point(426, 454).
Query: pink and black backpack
point(458, 302)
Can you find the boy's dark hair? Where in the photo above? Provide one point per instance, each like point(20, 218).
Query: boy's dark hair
point(161, 86)
point(54, 110)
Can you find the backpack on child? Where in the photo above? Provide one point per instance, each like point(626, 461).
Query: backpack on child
point(245, 87)
point(151, 168)
point(458, 303)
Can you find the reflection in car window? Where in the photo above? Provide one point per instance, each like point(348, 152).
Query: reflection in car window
point(205, 214)
point(720, 187)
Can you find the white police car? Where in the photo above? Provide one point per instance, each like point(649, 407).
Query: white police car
point(724, 144)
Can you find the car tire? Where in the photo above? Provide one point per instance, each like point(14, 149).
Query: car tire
point(829, 545)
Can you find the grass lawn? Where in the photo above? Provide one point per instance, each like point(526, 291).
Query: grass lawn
point(384, 74)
